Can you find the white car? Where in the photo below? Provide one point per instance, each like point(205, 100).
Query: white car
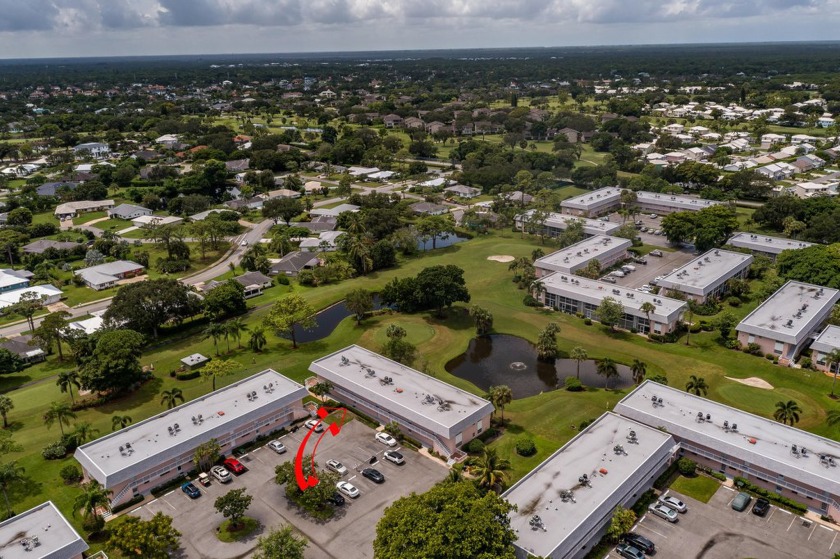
point(221, 474)
point(277, 447)
point(385, 438)
point(394, 456)
point(243, 243)
point(663, 511)
point(314, 425)
point(348, 489)
point(673, 503)
point(337, 467)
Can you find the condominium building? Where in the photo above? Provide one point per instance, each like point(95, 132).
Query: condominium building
point(827, 342)
point(593, 204)
point(41, 532)
point(605, 200)
point(765, 245)
point(706, 276)
point(555, 224)
point(669, 203)
point(607, 251)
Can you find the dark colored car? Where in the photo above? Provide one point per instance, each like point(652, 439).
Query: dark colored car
point(640, 542)
point(191, 490)
point(761, 507)
point(629, 552)
point(741, 502)
point(337, 499)
point(234, 465)
point(373, 475)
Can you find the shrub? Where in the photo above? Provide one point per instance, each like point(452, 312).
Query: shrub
point(753, 349)
point(475, 446)
point(188, 375)
point(573, 384)
point(695, 329)
point(687, 467)
point(587, 321)
point(579, 314)
point(734, 302)
point(634, 331)
point(306, 277)
point(584, 424)
point(127, 504)
point(54, 451)
point(529, 301)
point(282, 280)
point(806, 363)
point(706, 326)
point(70, 474)
point(525, 446)
point(93, 524)
point(769, 356)
point(653, 336)
point(731, 343)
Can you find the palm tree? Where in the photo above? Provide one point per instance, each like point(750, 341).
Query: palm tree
point(10, 474)
point(59, 412)
point(119, 422)
point(455, 476)
point(6, 405)
point(832, 360)
point(647, 308)
point(490, 469)
point(257, 340)
point(833, 417)
point(607, 369)
point(787, 412)
point(697, 385)
point(67, 380)
point(537, 289)
point(93, 496)
point(84, 432)
point(578, 354)
point(235, 328)
point(171, 397)
point(501, 396)
point(639, 369)
point(215, 330)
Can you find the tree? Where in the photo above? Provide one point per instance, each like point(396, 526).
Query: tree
point(289, 313)
point(661, 379)
point(114, 364)
point(818, 264)
point(608, 369)
point(397, 347)
point(321, 389)
point(235, 328)
point(639, 369)
point(787, 412)
point(93, 496)
point(133, 537)
point(490, 470)
point(10, 475)
point(501, 396)
point(725, 322)
point(10, 240)
point(51, 328)
point(146, 305)
point(697, 385)
point(359, 302)
point(832, 361)
point(84, 432)
point(647, 307)
point(233, 505)
point(60, 413)
point(442, 286)
point(282, 208)
point(315, 499)
point(67, 380)
point(28, 304)
point(282, 543)
point(215, 330)
point(832, 417)
point(172, 397)
point(227, 299)
point(622, 520)
point(6, 405)
point(610, 312)
point(483, 320)
point(218, 368)
point(453, 520)
point(547, 343)
point(206, 454)
point(10, 362)
point(578, 354)
point(120, 422)
point(257, 340)
point(19, 216)
point(436, 226)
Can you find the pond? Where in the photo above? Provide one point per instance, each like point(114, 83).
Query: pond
point(440, 242)
point(327, 320)
point(511, 360)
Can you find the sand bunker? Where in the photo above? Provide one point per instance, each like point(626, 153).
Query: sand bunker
point(755, 382)
point(501, 258)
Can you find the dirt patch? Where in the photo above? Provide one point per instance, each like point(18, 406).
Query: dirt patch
point(501, 258)
point(755, 382)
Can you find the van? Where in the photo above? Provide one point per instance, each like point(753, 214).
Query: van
point(618, 274)
point(627, 268)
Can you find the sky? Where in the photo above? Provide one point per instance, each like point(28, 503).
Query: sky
point(61, 28)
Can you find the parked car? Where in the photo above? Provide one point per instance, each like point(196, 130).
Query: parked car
point(337, 467)
point(314, 425)
point(277, 447)
point(394, 456)
point(741, 502)
point(640, 260)
point(656, 252)
point(336, 499)
point(234, 465)
point(204, 479)
point(191, 490)
point(221, 474)
point(640, 542)
point(653, 216)
point(629, 552)
point(761, 507)
point(605, 218)
point(385, 438)
point(658, 232)
point(674, 503)
point(617, 273)
point(663, 511)
point(608, 279)
point(348, 489)
point(628, 268)
point(374, 475)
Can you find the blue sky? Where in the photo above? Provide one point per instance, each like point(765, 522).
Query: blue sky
point(44, 28)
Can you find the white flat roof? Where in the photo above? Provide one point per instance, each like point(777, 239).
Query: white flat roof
point(590, 226)
point(706, 272)
point(591, 452)
point(593, 292)
point(781, 317)
point(763, 243)
point(55, 536)
point(828, 340)
point(156, 219)
point(603, 196)
point(771, 449)
point(577, 255)
point(222, 412)
point(674, 201)
point(412, 395)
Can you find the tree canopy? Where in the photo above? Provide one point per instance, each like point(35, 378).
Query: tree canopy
point(147, 305)
point(144, 539)
point(818, 264)
point(114, 363)
point(435, 287)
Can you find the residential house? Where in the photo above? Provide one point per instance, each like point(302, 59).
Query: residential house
point(52, 188)
point(96, 150)
point(155, 220)
point(392, 120)
point(238, 165)
point(11, 280)
point(42, 245)
point(292, 263)
point(325, 242)
point(254, 283)
point(414, 123)
point(128, 211)
point(429, 208)
point(46, 294)
point(69, 210)
point(26, 351)
point(282, 193)
point(572, 135)
point(107, 275)
point(313, 187)
point(518, 196)
point(462, 191)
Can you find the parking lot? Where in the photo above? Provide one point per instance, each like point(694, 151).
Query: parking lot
point(348, 535)
point(715, 531)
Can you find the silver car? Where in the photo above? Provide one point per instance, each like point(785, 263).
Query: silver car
point(674, 503)
point(277, 447)
point(663, 511)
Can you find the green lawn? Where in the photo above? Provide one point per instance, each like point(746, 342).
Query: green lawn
point(113, 224)
point(699, 487)
point(88, 217)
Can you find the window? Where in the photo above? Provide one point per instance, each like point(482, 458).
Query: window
point(459, 438)
point(778, 347)
point(479, 427)
point(750, 339)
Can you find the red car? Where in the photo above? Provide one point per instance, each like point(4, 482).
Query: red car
point(234, 466)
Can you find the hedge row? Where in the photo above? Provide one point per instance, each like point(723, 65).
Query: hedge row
point(795, 506)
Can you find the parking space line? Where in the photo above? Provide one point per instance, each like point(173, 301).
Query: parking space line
point(814, 529)
point(785, 511)
point(352, 478)
point(825, 527)
point(832, 542)
point(791, 524)
point(772, 512)
point(649, 529)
